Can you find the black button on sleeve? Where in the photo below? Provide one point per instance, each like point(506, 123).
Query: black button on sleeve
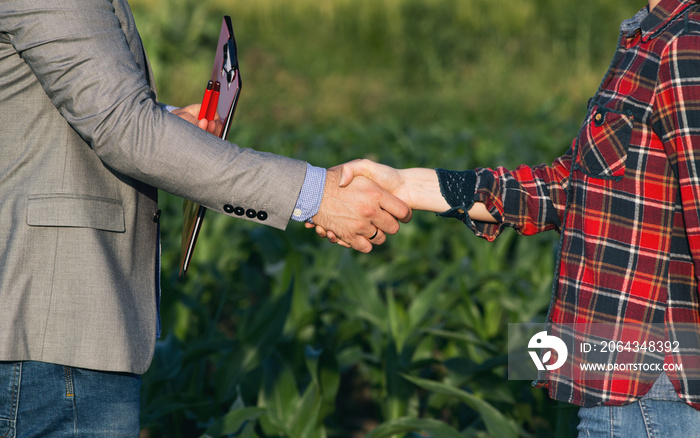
point(228, 208)
point(239, 211)
point(251, 213)
point(262, 215)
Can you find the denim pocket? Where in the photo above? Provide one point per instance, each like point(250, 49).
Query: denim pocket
point(603, 144)
point(10, 373)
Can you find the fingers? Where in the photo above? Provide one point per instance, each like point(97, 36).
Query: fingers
point(334, 239)
point(396, 208)
point(360, 215)
point(377, 237)
point(384, 222)
point(215, 126)
point(373, 222)
point(211, 126)
point(191, 114)
point(322, 233)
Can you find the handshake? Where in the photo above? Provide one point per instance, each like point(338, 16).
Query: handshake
point(363, 201)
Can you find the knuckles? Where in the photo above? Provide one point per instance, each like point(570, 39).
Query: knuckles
point(393, 228)
point(366, 211)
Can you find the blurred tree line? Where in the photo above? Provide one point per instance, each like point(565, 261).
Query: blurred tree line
point(281, 334)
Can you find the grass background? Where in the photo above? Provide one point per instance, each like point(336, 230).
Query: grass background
point(282, 334)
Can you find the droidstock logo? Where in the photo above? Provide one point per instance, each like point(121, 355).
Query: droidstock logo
point(542, 340)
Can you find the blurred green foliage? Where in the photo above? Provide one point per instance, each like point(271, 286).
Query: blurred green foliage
point(281, 334)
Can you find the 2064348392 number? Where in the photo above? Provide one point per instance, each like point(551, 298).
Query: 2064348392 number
point(635, 347)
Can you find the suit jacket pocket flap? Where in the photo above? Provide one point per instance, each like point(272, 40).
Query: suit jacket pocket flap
point(64, 210)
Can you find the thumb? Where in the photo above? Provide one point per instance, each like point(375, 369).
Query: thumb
point(346, 176)
point(351, 169)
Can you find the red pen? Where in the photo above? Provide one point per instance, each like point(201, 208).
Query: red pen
point(213, 102)
point(205, 100)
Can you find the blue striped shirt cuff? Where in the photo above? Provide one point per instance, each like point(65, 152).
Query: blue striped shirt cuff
point(311, 194)
point(168, 108)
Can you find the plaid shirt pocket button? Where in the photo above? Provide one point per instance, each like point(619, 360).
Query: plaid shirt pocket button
point(603, 145)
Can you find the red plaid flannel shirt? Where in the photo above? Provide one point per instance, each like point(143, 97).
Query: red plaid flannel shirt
point(625, 198)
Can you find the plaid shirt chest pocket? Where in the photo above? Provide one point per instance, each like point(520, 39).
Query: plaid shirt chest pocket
point(603, 144)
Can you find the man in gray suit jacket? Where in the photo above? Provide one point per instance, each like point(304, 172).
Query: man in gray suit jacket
point(84, 146)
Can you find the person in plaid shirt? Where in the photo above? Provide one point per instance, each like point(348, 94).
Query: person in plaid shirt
point(625, 198)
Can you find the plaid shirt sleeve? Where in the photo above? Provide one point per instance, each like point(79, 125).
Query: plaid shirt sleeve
point(677, 122)
point(528, 199)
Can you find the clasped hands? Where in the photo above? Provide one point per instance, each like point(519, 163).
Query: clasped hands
point(362, 201)
point(376, 197)
point(400, 189)
point(359, 208)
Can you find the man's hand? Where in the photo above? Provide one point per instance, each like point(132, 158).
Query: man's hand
point(191, 113)
point(361, 214)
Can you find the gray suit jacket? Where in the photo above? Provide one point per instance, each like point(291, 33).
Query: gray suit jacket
point(83, 147)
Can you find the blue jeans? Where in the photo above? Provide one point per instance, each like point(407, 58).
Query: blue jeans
point(659, 414)
point(51, 401)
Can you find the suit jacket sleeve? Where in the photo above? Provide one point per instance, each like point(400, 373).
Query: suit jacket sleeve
point(91, 65)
